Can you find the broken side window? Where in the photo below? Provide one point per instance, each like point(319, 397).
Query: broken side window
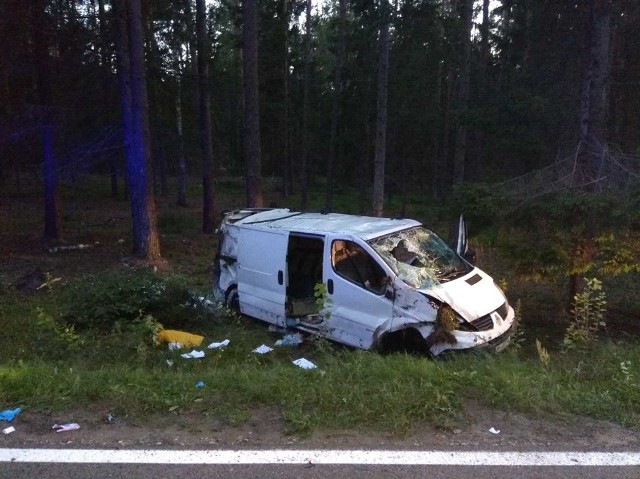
point(353, 263)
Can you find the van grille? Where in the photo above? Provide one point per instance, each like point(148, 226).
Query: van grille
point(484, 323)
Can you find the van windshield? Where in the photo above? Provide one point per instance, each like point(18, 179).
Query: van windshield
point(420, 257)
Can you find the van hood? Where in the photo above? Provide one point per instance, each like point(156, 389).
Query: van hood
point(471, 296)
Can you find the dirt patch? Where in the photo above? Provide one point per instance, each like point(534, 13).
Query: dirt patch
point(266, 429)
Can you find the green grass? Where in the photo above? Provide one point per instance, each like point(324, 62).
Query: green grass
point(49, 368)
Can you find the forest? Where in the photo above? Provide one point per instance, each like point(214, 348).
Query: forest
point(521, 114)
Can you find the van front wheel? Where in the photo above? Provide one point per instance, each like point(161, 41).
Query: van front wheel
point(231, 299)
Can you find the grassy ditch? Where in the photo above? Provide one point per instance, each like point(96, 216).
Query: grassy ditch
point(91, 341)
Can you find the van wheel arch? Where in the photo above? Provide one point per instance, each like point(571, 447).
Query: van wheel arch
point(406, 340)
point(231, 298)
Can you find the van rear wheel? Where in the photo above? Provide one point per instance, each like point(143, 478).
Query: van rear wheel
point(231, 299)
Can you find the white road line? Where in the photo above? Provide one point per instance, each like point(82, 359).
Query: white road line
point(280, 456)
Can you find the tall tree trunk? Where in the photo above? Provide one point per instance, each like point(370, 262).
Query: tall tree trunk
point(463, 92)
point(594, 102)
point(204, 118)
point(304, 167)
point(182, 163)
point(286, 159)
point(131, 61)
point(341, 52)
point(52, 230)
point(381, 113)
point(252, 152)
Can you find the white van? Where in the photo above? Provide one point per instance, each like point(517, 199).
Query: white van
point(386, 283)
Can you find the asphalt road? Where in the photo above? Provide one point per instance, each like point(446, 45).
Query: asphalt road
point(44, 463)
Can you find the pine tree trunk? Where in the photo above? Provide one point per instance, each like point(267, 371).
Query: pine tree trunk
point(182, 163)
point(463, 92)
point(52, 230)
point(381, 113)
point(204, 118)
point(286, 159)
point(135, 108)
point(252, 152)
point(304, 167)
point(341, 52)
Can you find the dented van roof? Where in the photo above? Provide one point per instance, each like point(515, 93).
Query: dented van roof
point(365, 227)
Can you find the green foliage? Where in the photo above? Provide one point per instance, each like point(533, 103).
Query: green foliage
point(322, 299)
point(52, 339)
point(104, 301)
point(518, 338)
point(543, 354)
point(483, 204)
point(587, 316)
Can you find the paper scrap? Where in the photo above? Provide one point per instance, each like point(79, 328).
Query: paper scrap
point(8, 430)
point(493, 430)
point(174, 346)
point(219, 345)
point(193, 354)
point(72, 426)
point(263, 349)
point(304, 363)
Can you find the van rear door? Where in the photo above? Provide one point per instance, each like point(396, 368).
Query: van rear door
point(262, 258)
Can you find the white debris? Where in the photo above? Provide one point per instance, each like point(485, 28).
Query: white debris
point(304, 363)
point(493, 430)
point(263, 349)
point(193, 354)
point(8, 430)
point(219, 345)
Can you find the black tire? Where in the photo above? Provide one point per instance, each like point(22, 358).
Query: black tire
point(231, 299)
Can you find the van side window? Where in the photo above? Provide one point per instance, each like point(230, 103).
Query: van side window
point(352, 262)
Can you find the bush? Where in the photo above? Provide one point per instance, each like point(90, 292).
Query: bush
point(587, 316)
point(103, 301)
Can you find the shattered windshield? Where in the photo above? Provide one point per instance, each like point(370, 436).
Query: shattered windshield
point(420, 257)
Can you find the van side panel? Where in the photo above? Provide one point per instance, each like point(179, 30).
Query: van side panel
point(262, 274)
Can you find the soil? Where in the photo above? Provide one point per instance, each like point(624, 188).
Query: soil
point(265, 429)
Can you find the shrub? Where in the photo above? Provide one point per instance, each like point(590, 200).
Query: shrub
point(587, 316)
point(102, 301)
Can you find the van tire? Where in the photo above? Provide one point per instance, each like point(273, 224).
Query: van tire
point(231, 299)
point(407, 340)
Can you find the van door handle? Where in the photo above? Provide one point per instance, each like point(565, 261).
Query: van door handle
point(280, 277)
point(330, 286)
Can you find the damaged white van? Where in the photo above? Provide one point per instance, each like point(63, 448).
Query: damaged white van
point(387, 283)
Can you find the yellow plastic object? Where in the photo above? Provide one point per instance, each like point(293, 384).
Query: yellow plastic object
point(186, 340)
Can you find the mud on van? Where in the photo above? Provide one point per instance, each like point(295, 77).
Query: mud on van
point(387, 283)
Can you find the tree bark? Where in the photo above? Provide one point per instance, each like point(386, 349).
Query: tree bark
point(135, 108)
point(381, 113)
point(304, 167)
point(286, 158)
point(252, 149)
point(463, 92)
point(204, 118)
point(52, 229)
point(341, 52)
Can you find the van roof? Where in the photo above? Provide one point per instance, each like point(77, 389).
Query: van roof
point(365, 227)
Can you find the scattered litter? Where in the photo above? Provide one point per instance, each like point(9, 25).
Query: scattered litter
point(72, 426)
point(169, 362)
point(290, 340)
point(219, 345)
point(275, 329)
point(9, 414)
point(69, 248)
point(193, 354)
point(174, 346)
point(304, 363)
point(200, 384)
point(263, 349)
point(109, 418)
point(8, 430)
point(493, 430)
point(186, 340)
